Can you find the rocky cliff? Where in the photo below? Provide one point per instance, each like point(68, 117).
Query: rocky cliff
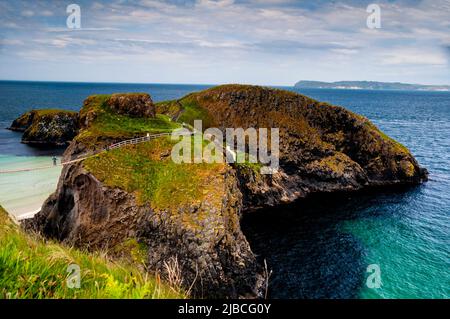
point(323, 148)
point(188, 216)
point(132, 104)
point(47, 127)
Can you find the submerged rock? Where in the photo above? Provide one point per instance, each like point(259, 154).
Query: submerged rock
point(47, 127)
point(190, 213)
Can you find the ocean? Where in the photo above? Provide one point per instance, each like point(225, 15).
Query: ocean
point(315, 249)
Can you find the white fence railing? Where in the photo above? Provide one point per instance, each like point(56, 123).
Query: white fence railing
point(133, 141)
point(138, 140)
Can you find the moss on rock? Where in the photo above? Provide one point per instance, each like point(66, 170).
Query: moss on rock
point(191, 212)
point(47, 127)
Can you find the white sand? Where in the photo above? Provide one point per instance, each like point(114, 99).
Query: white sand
point(22, 194)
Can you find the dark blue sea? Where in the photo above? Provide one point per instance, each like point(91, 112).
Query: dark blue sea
point(323, 248)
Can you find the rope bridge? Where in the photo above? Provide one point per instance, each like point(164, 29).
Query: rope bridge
point(133, 141)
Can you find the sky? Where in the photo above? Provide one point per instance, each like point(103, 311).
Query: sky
point(266, 42)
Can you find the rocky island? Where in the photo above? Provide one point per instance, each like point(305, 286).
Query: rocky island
point(187, 216)
point(47, 127)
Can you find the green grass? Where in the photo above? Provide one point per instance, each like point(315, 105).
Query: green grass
point(185, 110)
point(193, 111)
point(108, 124)
point(44, 112)
point(114, 124)
point(399, 147)
point(33, 268)
point(147, 170)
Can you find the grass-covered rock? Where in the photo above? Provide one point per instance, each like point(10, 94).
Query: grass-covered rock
point(323, 148)
point(47, 127)
point(31, 267)
point(102, 124)
point(185, 214)
point(189, 214)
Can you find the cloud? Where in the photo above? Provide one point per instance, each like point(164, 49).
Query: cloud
point(447, 51)
point(27, 13)
point(65, 29)
point(214, 3)
point(414, 57)
point(239, 35)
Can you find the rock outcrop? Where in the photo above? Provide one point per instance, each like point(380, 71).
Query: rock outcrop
point(203, 240)
point(47, 127)
point(22, 122)
point(190, 222)
point(132, 104)
point(323, 148)
point(190, 213)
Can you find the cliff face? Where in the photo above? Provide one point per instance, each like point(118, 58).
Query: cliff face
point(203, 239)
point(133, 104)
point(323, 148)
point(47, 127)
point(189, 214)
point(23, 122)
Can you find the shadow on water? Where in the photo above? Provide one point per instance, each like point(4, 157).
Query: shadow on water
point(305, 246)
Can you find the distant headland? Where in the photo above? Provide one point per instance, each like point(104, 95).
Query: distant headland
point(369, 85)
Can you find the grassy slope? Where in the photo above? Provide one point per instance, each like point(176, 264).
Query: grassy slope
point(44, 112)
point(145, 169)
point(33, 268)
point(186, 110)
point(108, 124)
point(148, 170)
point(307, 131)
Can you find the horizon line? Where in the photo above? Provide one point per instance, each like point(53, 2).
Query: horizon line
point(210, 84)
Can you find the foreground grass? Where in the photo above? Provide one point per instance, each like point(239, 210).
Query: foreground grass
point(33, 268)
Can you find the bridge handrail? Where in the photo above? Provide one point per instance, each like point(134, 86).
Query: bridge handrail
point(132, 141)
point(139, 140)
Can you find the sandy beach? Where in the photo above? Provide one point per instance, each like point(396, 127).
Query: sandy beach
point(23, 193)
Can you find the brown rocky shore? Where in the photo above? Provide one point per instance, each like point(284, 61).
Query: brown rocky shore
point(188, 216)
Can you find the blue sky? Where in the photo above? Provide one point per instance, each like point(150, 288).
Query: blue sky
point(269, 42)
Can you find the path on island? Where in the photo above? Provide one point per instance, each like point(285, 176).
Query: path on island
point(132, 141)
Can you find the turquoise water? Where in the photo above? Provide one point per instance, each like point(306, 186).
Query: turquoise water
point(24, 192)
point(319, 248)
point(408, 234)
point(322, 249)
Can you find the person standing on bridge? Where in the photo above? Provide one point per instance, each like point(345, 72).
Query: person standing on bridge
point(54, 160)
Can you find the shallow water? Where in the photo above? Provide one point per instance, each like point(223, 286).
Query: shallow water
point(24, 192)
point(317, 249)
